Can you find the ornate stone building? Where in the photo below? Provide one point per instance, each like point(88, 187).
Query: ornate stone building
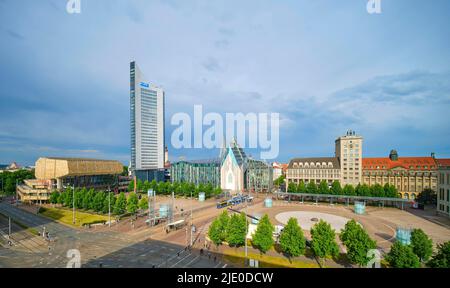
point(443, 190)
point(344, 167)
point(411, 175)
point(313, 169)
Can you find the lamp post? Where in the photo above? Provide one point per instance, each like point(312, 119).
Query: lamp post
point(109, 206)
point(17, 198)
point(73, 204)
point(73, 201)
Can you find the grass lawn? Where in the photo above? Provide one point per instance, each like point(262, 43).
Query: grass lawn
point(267, 260)
point(65, 216)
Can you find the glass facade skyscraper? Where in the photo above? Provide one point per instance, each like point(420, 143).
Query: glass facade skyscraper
point(147, 127)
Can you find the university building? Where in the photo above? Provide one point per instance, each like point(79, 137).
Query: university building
point(314, 169)
point(197, 172)
point(346, 166)
point(410, 175)
point(443, 190)
point(233, 171)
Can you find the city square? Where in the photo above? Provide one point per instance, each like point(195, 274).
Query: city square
point(224, 134)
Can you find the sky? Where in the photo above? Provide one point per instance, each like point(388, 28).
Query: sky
point(325, 66)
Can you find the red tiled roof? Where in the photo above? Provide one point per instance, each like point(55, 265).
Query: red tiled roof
point(443, 162)
point(385, 163)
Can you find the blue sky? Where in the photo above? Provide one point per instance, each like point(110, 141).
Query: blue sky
point(326, 66)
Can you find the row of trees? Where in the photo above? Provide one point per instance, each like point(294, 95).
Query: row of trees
point(180, 189)
point(9, 179)
point(336, 189)
point(99, 201)
point(419, 252)
point(292, 242)
point(323, 242)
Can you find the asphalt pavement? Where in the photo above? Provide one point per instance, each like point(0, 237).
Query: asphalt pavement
point(98, 249)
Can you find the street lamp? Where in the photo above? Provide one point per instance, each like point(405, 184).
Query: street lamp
point(109, 206)
point(73, 201)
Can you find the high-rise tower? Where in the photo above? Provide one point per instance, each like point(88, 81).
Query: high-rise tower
point(349, 153)
point(147, 127)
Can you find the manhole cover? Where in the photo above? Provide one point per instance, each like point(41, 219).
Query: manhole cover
point(314, 219)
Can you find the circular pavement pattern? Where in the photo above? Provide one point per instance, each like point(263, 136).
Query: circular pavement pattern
point(307, 219)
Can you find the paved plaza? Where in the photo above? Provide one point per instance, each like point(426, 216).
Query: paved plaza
point(97, 248)
point(134, 244)
point(307, 219)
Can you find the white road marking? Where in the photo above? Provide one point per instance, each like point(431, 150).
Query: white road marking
point(192, 261)
point(180, 260)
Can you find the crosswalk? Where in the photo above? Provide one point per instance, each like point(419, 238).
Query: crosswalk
point(191, 259)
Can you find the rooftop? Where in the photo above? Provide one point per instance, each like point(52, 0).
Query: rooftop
point(414, 163)
point(443, 163)
point(58, 167)
point(334, 161)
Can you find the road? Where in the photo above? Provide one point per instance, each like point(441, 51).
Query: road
point(105, 249)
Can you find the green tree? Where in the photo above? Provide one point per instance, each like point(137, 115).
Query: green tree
point(402, 256)
point(9, 180)
point(217, 191)
point(323, 242)
point(349, 190)
point(236, 230)
point(208, 190)
point(218, 229)
point(125, 171)
point(358, 243)
point(88, 199)
point(97, 204)
point(132, 203)
point(336, 188)
point(120, 205)
point(390, 191)
point(62, 198)
point(214, 232)
point(139, 186)
point(131, 186)
point(377, 191)
point(301, 187)
point(291, 187)
point(292, 240)
point(311, 188)
point(68, 201)
point(323, 187)
point(143, 203)
point(154, 185)
point(442, 258)
point(224, 218)
point(428, 196)
point(279, 181)
point(263, 237)
point(106, 202)
point(79, 196)
point(421, 245)
point(54, 197)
